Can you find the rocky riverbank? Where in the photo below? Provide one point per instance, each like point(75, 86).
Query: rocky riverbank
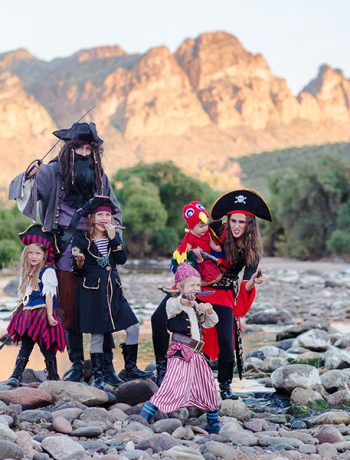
point(304, 310)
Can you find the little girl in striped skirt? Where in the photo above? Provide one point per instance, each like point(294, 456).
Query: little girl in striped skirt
point(189, 381)
point(35, 319)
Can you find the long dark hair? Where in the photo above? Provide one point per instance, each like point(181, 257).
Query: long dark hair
point(251, 243)
point(66, 161)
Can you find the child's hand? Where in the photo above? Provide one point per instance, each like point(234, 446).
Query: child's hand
point(198, 255)
point(52, 321)
point(110, 229)
point(205, 308)
point(187, 299)
point(79, 260)
point(217, 248)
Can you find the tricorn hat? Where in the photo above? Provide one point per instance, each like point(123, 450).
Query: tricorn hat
point(85, 132)
point(98, 203)
point(36, 234)
point(247, 201)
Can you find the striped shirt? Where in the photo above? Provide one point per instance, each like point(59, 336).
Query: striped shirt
point(102, 245)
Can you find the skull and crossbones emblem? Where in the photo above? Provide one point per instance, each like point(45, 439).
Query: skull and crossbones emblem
point(240, 199)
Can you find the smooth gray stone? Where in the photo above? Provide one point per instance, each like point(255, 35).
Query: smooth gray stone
point(87, 431)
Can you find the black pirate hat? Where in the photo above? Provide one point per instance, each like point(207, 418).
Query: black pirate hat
point(36, 234)
point(248, 201)
point(98, 203)
point(85, 132)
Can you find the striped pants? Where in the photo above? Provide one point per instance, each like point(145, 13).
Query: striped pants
point(187, 383)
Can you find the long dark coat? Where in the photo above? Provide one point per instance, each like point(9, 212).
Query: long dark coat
point(101, 305)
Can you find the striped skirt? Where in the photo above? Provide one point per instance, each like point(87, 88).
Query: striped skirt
point(34, 323)
point(188, 382)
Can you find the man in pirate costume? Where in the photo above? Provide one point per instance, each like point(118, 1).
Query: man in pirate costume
point(60, 188)
point(240, 239)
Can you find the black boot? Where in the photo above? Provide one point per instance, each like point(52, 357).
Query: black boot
point(161, 370)
point(97, 370)
point(131, 371)
point(76, 356)
point(225, 374)
point(51, 367)
point(108, 370)
point(16, 377)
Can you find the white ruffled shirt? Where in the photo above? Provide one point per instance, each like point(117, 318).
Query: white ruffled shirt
point(174, 307)
point(50, 283)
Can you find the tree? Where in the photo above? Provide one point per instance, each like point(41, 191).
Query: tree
point(143, 214)
point(153, 195)
point(305, 203)
point(175, 188)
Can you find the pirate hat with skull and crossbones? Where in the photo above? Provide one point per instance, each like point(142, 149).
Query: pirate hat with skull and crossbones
point(245, 201)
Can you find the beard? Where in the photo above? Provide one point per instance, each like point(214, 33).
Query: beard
point(83, 188)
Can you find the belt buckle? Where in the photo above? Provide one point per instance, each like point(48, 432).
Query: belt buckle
point(199, 346)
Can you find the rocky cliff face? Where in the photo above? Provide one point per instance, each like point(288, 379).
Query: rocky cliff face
point(201, 106)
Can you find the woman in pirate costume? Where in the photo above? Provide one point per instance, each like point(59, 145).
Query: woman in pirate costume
point(241, 243)
point(35, 319)
point(101, 307)
point(61, 187)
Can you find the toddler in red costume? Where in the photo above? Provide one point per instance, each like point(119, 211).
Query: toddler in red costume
point(199, 237)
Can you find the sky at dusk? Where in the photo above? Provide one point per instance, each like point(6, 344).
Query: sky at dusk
point(295, 36)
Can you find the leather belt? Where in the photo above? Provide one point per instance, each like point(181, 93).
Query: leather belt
point(197, 345)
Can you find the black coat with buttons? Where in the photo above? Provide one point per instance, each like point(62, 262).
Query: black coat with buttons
point(101, 306)
point(48, 190)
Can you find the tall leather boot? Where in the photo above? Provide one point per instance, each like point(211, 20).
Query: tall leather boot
point(76, 356)
point(16, 377)
point(108, 370)
point(225, 374)
point(131, 371)
point(161, 364)
point(97, 370)
point(160, 338)
point(51, 367)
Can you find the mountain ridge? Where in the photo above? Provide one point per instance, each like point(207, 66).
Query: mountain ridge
point(208, 101)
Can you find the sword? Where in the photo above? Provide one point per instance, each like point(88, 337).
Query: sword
point(5, 340)
point(40, 162)
point(176, 292)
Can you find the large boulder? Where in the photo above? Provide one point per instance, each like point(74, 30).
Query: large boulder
point(270, 316)
point(136, 391)
point(236, 409)
point(287, 378)
point(60, 447)
point(343, 341)
point(85, 394)
point(158, 442)
point(315, 340)
point(267, 351)
point(29, 398)
point(339, 398)
point(337, 359)
point(10, 450)
point(335, 380)
point(294, 331)
point(303, 396)
point(329, 434)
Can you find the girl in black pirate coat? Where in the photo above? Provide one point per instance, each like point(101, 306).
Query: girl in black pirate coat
point(102, 306)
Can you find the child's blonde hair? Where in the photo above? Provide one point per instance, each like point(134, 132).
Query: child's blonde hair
point(27, 276)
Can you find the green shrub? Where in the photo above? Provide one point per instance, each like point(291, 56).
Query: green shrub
point(10, 251)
